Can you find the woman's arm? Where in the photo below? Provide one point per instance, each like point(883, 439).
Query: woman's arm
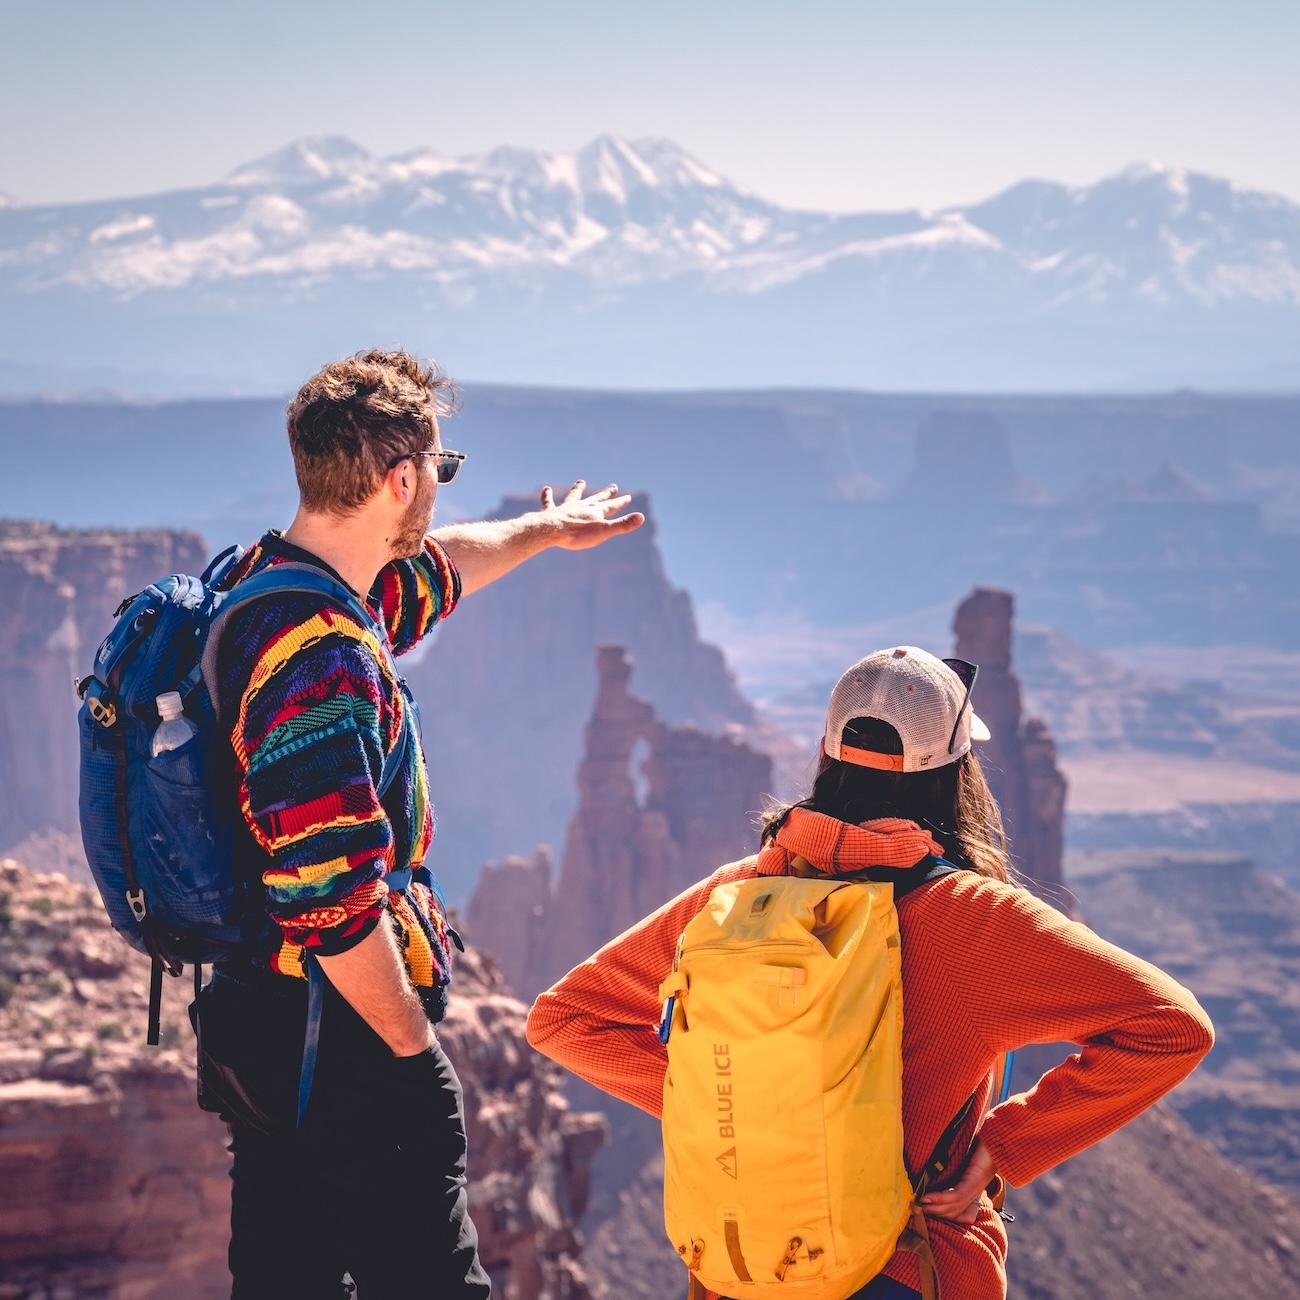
point(601, 1019)
point(1038, 977)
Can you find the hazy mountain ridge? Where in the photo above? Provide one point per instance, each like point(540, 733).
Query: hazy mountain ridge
point(626, 212)
point(632, 262)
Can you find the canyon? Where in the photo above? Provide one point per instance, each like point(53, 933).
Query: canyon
point(1169, 519)
point(1230, 930)
point(671, 768)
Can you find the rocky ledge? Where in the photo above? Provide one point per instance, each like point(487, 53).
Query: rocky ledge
point(113, 1184)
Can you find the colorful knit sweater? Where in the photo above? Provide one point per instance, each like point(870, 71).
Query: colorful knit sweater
point(987, 968)
point(316, 707)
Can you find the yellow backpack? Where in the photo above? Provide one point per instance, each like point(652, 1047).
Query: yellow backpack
point(784, 1172)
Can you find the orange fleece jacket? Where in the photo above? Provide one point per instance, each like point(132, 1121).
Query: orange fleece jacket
point(987, 968)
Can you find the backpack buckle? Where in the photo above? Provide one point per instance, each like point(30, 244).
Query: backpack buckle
point(102, 711)
point(135, 901)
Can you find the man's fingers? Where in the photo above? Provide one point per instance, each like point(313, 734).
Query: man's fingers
point(576, 491)
point(548, 498)
point(613, 505)
point(604, 494)
point(582, 536)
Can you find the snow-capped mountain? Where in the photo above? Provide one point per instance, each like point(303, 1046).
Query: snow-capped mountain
point(631, 262)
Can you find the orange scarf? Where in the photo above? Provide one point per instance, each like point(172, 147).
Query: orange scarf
point(836, 848)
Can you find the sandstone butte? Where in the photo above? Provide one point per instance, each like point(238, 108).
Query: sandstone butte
point(1020, 759)
point(113, 1185)
point(658, 807)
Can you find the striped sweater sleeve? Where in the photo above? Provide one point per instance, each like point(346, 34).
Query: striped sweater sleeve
point(309, 746)
point(415, 594)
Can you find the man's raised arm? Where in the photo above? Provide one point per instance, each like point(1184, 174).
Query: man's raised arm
point(487, 550)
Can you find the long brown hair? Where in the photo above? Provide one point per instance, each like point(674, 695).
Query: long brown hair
point(952, 802)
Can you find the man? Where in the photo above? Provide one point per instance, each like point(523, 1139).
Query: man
point(373, 1181)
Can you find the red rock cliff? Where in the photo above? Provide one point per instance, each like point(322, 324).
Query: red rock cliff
point(113, 1183)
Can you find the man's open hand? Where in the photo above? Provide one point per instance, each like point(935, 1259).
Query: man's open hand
point(585, 521)
point(487, 550)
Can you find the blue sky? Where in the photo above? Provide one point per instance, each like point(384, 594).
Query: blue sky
point(822, 105)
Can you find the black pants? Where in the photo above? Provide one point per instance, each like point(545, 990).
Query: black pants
point(373, 1184)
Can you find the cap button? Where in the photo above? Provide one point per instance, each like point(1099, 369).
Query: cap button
point(901, 652)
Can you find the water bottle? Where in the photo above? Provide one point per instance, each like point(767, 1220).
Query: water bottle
point(176, 728)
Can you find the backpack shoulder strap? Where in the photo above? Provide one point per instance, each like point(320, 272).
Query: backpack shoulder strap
point(396, 756)
point(925, 872)
point(279, 579)
point(904, 881)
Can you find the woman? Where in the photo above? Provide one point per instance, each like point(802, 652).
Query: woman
point(986, 968)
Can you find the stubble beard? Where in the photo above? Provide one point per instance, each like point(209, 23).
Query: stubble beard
point(415, 522)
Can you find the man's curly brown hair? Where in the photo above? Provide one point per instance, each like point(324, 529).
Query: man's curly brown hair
point(353, 418)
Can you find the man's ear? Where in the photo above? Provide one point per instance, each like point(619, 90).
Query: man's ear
point(400, 481)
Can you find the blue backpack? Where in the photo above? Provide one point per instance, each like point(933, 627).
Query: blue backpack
point(159, 832)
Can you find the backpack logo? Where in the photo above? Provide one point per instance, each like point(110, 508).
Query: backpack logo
point(726, 1103)
point(727, 1160)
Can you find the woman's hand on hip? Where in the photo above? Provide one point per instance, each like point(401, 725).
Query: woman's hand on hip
point(961, 1202)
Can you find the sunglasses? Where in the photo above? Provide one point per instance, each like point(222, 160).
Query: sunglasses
point(967, 672)
point(446, 464)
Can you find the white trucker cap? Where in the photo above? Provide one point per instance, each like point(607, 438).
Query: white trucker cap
point(926, 700)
